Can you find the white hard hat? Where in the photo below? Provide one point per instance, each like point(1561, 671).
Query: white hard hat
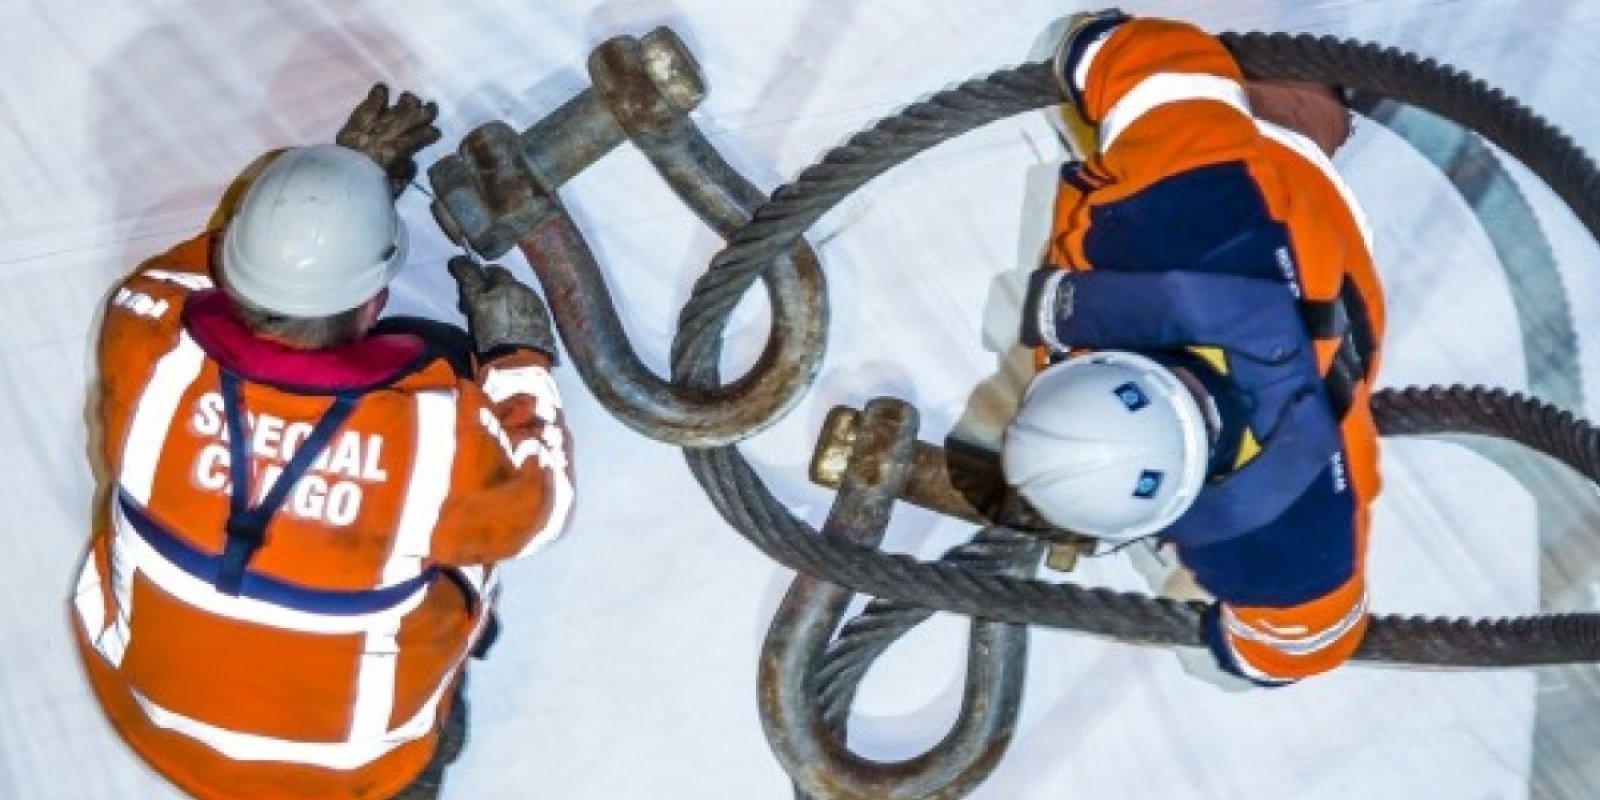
point(1110, 444)
point(316, 234)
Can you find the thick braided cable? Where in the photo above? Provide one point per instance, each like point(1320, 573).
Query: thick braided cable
point(739, 494)
point(795, 207)
point(1491, 412)
point(882, 622)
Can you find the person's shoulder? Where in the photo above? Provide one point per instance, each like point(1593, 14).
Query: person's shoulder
point(169, 276)
point(192, 257)
point(431, 374)
point(149, 301)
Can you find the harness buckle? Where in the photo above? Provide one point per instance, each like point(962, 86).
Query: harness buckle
point(245, 537)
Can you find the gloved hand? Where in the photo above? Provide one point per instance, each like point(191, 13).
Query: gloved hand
point(1048, 301)
point(502, 312)
point(1079, 133)
point(1011, 509)
point(1081, 29)
point(1317, 111)
point(391, 135)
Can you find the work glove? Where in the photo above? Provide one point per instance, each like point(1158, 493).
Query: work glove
point(1080, 30)
point(391, 135)
point(1078, 132)
point(1314, 110)
point(502, 312)
point(1047, 302)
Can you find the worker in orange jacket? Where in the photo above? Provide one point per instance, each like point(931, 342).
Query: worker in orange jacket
point(1211, 318)
point(295, 553)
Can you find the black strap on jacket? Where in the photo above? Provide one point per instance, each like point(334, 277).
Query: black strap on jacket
point(1345, 318)
point(247, 525)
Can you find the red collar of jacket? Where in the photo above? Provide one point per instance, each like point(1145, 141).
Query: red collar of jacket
point(369, 363)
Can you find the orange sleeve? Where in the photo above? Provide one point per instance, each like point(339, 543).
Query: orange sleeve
point(1167, 97)
point(513, 473)
point(138, 321)
point(1141, 48)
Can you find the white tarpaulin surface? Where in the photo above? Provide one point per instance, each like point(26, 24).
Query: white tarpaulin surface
point(627, 664)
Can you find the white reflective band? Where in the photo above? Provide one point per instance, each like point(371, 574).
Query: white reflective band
point(89, 598)
point(475, 575)
point(90, 601)
point(1161, 89)
point(332, 755)
point(1044, 315)
point(1308, 150)
point(200, 594)
point(174, 373)
point(500, 384)
point(487, 581)
point(113, 643)
point(559, 493)
point(188, 280)
point(1296, 646)
point(432, 460)
point(483, 579)
point(1249, 671)
point(375, 680)
point(431, 463)
point(1080, 73)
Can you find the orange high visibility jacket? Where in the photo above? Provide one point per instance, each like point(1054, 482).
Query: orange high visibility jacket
point(1184, 178)
point(326, 668)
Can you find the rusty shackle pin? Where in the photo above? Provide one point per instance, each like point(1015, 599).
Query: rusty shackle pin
point(643, 90)
point(623, 104)
point(961, 481)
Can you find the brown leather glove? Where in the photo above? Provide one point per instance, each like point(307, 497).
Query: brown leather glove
point(1314, 110)
point(502, 312)
point(391, 135)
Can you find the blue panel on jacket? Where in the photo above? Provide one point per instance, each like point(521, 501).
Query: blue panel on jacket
point(1304, 554)
point(1212, 218)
